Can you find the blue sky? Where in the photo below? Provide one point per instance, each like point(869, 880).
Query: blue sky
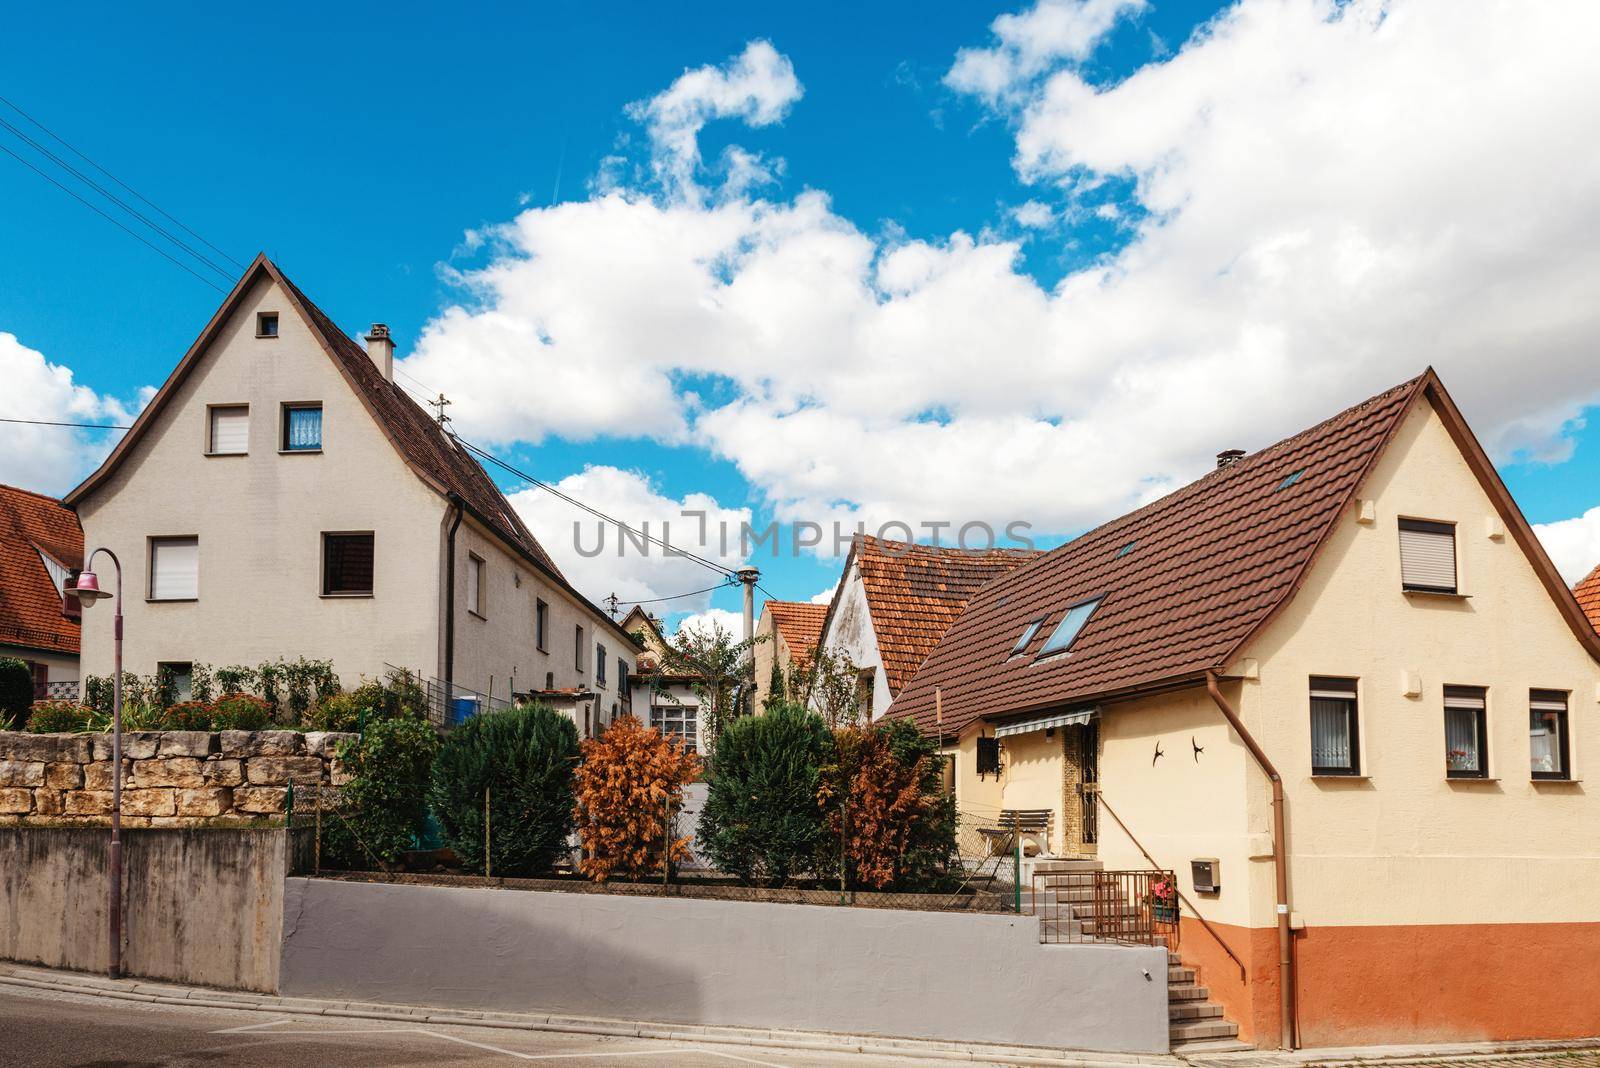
point(1077, 199)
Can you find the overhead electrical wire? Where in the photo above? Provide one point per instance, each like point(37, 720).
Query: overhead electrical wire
point(51, 422)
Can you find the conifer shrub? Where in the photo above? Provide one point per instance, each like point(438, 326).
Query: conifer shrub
point(524, 757)
point(628, 787)
point(16, 692)
point(761, 821)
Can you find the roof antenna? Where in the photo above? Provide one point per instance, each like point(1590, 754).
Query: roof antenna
point(439, 415)
point(612, 605)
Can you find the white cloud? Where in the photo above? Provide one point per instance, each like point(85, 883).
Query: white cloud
point(1573, 544)
point(1027, 44)
point(711, 619)
point(600, 561)
point(826, 596)
point(1326, 202)
point(51, 459)
point(1034, 215)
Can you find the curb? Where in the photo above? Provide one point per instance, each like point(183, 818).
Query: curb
point(802, 1041)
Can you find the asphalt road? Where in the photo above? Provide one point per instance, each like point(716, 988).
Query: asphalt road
point(50, 1030)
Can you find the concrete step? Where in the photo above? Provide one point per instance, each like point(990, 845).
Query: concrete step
point(1210, 1045)
point(1059, 864)
point(1184, 1011)
point(1193, 1030)
point(1177, 974)
point(1186, 992)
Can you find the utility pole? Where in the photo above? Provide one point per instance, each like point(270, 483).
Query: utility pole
point(748, 576)
point(440, 405)
point(612, 604)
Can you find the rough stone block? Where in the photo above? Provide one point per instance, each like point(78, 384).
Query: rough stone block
point(47, 802)
point(273, 770)
point(16, 801)
point(260, 743)
point(148, 803)
point(186, 743)
point(338, 774)
point(51, 748)
point(64, 776)
point(324, 743)
point(22, 772)
point(259, 800)
point(88, 803)
point(182, 772)
point(222, 772)
point(136, 745)
point(208, 801)
point(98, 776)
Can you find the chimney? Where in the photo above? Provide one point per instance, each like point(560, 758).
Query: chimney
point(380, 347)
point(1225, 458)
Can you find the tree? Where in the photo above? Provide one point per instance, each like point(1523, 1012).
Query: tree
point(721, 668)
point(829, 683)
point(524, 757)
point(16, 692)
point(385, 802)
point(761, 821)
point(630, 783)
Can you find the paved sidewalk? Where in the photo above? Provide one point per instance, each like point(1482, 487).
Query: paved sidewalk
point(1580, 1053)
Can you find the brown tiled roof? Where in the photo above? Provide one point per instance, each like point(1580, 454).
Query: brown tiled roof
point(1182, 581)
point(1588, 594)
point(30, 607)
point(800, 625)
point(915, 592)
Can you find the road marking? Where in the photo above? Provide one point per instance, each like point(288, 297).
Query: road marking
point(252, 1027)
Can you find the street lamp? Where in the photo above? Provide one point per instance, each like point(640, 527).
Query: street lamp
point(89, 591)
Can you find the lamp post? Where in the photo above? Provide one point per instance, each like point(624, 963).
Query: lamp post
point(89, 591)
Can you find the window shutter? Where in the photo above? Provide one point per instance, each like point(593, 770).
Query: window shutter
point(1427, 556)
point(230, 431)
point(174, 569)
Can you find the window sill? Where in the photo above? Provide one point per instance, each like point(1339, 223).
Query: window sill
point(270, 337)
point(1439, 594)
point(1556, 782)
point(1470, 780)
point(299, 452)
point(542, 649)
point(170, 600)
point(1338, 776)
point(220, 455)
point(346, 596)
point(477, 615)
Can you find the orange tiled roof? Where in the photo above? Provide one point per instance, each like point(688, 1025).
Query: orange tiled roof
point(1182, 581)
point(1588, 594)
point(30, 607)
point(799, 623)
point(915, 592)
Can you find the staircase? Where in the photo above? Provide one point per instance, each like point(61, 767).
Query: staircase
point(1195, 1024)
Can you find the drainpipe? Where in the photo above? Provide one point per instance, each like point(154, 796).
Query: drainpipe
point(450, 609)
point(1289, 1026)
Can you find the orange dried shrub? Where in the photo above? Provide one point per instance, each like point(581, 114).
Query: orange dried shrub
point(874, 799)
point(629, 780)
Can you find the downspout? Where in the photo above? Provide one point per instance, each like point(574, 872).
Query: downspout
point(450, 607)
point(1288, 1025)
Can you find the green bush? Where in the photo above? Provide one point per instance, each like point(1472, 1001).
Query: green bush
point(16, 692)
point(97, 693)
point(384, 804)
point(525, 757)
point(930, 853)
point(761, 821)
point(240, 712)
point(59, 717)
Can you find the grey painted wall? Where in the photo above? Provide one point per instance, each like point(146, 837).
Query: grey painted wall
point(201, 905)
point(869, 971)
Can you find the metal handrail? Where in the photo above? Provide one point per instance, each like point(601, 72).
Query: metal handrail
point(1243, 972)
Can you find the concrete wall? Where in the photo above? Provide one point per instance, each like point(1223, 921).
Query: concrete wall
point(201, 906)
point(883, 972)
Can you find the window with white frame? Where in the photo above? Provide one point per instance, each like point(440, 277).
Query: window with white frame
point(229, 432)
point(678, 722)
point(174, 569)
point(1427, 556)
point(1335, 737)
point(1547, 734)
point(475, 584)
point(1466, 732)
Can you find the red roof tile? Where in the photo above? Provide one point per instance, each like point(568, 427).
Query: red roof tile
point(1182, 581)
point(1588, 594)
point(799, 623)
point(30, 607)
point(915, 592)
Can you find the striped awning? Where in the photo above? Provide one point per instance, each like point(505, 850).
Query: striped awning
point(1045, 722)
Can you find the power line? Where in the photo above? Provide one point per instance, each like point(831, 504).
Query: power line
point(115, 222)
point(681, 596)
point(75, 151)
point(48, 422)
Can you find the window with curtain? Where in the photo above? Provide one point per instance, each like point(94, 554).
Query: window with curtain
point(1466, 732)
point(230, 430)
point(1547, 734)
point(1427, 556)
point(302, 427)
point(1335, 741)
point(347, 565)
point(678, 721)
point(174, 569)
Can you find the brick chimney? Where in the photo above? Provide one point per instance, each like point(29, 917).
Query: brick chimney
point(1229, 457)
point(380, 347)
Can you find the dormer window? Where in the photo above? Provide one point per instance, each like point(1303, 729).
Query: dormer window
point(266, 324)
point(1066, 631)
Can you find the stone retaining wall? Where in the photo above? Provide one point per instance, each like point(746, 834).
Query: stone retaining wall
point(169, 778)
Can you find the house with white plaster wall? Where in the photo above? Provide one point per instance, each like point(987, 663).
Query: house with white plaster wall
point(282, 496)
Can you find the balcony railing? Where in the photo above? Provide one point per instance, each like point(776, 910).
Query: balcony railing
point(1127, 907)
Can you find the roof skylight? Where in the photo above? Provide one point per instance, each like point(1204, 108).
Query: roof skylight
point(1291, 479)
point(1125, 550)
point(1027, 635)
point(1066, 631)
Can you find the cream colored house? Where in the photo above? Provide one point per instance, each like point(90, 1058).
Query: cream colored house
point(663, 698)
point(1361, 615)
point(282, 496)
point(787, 635)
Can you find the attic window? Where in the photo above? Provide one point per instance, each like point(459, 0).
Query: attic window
point(1291, 479)
point(1027, 636)
point(1125, 550)
point(1066, 631)
point(266, 324)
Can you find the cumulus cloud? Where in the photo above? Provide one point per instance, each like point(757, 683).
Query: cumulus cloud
point(1029, 43)
point(45, 458)
point(600, 560)
point(709, 621)
point(1325, 198)
point(1573, 544)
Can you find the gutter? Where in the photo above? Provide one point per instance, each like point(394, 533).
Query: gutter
point(1289, 1030)
point(450, 608)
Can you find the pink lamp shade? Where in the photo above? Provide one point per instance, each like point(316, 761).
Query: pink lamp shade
point(88, 589)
